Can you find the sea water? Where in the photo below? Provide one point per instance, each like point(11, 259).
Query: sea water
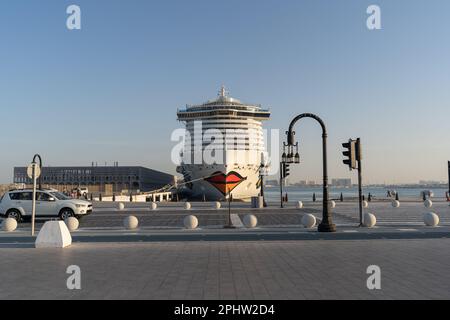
point(306, 193)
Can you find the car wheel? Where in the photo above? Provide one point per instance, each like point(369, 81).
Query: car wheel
point(15, 214)
point(66, 213)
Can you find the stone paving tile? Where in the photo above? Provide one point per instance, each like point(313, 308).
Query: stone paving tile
point(411, 269)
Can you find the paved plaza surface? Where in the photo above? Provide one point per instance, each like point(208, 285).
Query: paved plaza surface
point(279, 270)
point(278, 260)
point(166, 223)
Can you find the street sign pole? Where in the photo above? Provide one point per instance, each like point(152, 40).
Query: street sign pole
point(281, 184)
point(229, 209)
point(361, 215)
point(353, 154)
point(359, 158)
point(448, 180)
point(33, 173)
point(230, 223)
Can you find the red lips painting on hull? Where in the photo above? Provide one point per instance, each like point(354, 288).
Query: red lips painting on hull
point(225, 183)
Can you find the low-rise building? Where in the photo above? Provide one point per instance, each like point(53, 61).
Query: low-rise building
point(99, 179)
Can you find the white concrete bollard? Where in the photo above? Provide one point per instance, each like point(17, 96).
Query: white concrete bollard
point(428, 203)
point(9, 224)
point(217, 205)
point(365, 204)
point(250, 221)
point(153, 206)
point(120, 206)
point(130, 222)
point(369, 220)
point(187, 206)
point(431, 219)
point(333, 204)
point(299, 205)
point(190, 222)
point(395, 203)
point(309, 221)
point(72, 223)
point(53, 234)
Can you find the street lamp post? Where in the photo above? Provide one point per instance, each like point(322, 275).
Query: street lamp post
point(327, 224)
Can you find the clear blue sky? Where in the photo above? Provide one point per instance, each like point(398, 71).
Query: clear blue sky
point(110, 91)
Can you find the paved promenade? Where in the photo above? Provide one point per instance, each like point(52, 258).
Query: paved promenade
point(410, 269)
point(278, 260)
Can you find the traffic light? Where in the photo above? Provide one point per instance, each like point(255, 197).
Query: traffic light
point(285, 170)
point(358, 150)
point(350, 154)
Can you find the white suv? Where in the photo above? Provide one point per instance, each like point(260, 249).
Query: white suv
point(83, 191)
point(49, 204)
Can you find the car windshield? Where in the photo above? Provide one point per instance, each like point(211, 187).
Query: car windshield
point(60, 196)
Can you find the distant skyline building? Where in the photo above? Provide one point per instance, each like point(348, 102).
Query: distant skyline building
point(341, 182)
point(430, 182)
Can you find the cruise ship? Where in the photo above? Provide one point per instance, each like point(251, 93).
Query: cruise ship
point(223, 150)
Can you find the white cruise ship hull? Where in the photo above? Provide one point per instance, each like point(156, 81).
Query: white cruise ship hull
point(223, 150)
